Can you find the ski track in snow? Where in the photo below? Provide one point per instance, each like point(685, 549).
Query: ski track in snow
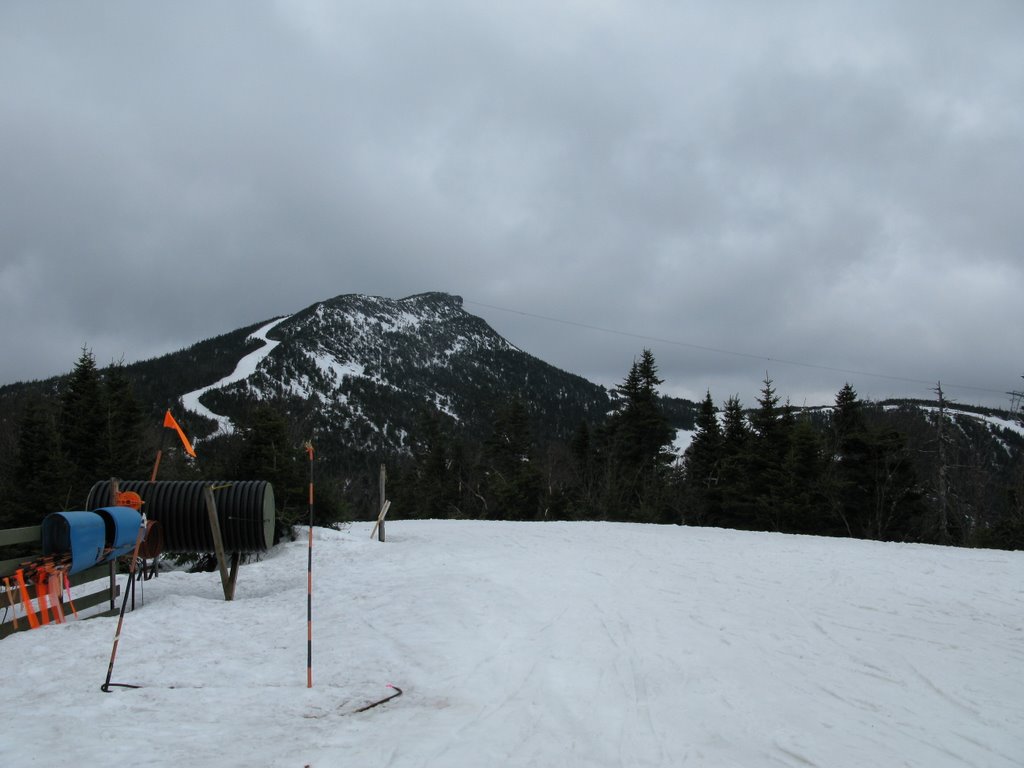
point(546, 644)
point(245, 368)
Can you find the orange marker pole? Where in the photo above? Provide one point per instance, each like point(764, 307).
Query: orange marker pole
point(139, 538)
point(42, 595)
point(56, 587)
point(67, 586)
point(26, 601)
point(309, 578)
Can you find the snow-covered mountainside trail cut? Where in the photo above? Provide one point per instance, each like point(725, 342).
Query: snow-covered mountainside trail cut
point(545, 644)
point(245, 368)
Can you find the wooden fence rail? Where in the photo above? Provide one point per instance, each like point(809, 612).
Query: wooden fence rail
point(92, 587)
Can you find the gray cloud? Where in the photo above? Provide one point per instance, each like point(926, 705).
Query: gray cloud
point(831, 185)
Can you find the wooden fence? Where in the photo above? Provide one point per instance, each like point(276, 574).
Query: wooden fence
point(92, 587)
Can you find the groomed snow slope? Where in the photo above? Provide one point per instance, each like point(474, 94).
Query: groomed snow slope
point(545, 644)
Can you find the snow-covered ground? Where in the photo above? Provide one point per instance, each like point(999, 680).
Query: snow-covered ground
point(245, 368)
point(545, 644)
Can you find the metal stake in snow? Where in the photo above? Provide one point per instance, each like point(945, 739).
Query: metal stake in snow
point(309, 578)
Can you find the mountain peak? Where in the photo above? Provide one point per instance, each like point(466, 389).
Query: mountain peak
point(366, 369)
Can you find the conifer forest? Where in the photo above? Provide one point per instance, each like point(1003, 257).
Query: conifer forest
point(894, 472)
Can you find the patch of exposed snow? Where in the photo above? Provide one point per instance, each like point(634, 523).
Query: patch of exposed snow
point(403, 321)
point(682, 441)
point(336, 370)
point(1012, 425)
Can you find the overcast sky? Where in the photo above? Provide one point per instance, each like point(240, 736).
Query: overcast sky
point(820, 191)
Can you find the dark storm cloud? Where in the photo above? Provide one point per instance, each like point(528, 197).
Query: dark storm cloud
point(832, 185)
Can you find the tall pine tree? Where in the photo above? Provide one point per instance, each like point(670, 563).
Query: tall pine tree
point(39, 477)
point(701, 466)
point(736, 510)
point(639, 437)
point(871, 483)
point(83, 424)
point(512, 482)
point(124, 444)
point(766, 457)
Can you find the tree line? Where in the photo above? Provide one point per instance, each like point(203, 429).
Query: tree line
point(856, 469)
point(95, 428)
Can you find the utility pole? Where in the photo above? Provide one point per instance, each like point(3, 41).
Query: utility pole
point(942, 491)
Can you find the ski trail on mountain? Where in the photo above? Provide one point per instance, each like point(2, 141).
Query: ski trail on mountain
point(245, 367)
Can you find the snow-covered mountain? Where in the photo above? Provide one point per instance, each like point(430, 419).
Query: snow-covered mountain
point(367, 368)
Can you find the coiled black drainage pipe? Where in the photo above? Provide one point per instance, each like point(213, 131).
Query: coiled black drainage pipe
point(245, 511)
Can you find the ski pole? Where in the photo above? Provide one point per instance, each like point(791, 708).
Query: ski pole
point(143, 527)
point(309, 578)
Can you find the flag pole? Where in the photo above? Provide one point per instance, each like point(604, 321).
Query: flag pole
point(159, 455)
point(309, 578)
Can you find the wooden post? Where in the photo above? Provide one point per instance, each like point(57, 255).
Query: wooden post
point(233, 576)
point(382, 497)
point(226, 581)
point(379, 525)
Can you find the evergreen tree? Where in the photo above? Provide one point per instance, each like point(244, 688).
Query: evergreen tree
point(871, 483)
point(765, 459)
point(39, 485)
point(848, 479)
point(638, 438)
point(580, 443)
point(736, 510)
point(512, 483)
point(1007, 531)
point(124, 430)
point(804, 500)
point(83, 423)
point(848, 415)
point(434, 484)
point(267, 454)
point(579, 490)
point(702, 464)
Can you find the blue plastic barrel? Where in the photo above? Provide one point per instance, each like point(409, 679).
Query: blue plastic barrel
point(80, 534)
point(121, 529)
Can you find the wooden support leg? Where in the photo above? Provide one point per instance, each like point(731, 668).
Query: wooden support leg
point(235, 559)
point(218, 544)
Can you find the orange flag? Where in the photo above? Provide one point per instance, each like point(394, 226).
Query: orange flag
point(170, 423)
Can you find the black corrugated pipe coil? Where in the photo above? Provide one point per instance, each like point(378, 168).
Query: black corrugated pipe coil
point(245, 511)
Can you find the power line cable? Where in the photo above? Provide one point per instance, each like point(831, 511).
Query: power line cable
point(748, 355)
